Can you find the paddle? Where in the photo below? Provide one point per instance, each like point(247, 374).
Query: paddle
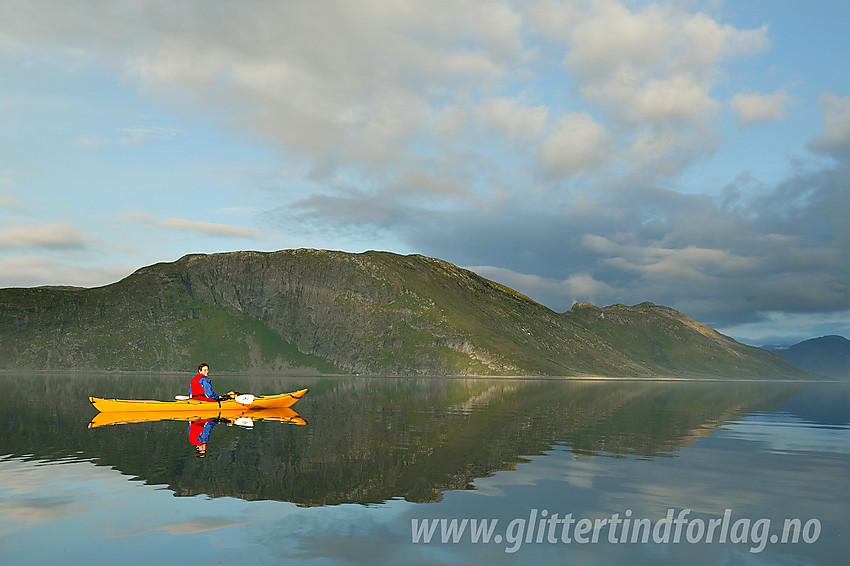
point(244, 398)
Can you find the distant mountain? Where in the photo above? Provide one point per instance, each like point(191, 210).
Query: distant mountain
point(828, 355)
point(317, 311)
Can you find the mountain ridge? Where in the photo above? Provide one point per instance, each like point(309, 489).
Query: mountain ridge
point(378, 313)
point(827, 355)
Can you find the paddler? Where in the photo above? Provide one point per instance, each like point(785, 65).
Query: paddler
point(200, 387)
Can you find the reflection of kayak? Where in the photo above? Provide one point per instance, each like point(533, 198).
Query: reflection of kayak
point(282, 414)
point(193, 406)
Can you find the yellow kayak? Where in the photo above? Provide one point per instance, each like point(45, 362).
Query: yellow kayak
point(283, 414)
point(281, 401)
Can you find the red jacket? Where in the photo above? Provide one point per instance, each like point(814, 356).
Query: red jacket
point(201, 388)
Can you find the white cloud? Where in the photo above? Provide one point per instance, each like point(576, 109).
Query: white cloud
point(835, 128)
point(609, 37)
point(92, 141)
point(497, 28)
point(653, 64)
point(15, 269)
point(647, 66)
point(660, 153)
point(364, 88)
point(138, 215)
point(55, 235)
point(578, 286)
point(425, 125)
point(789, 327)
point(28, 271)
point(9, 181)
point(655, 261)
point(679, 97)
point(651, 69)
point(324, 74)
point(143, 134)
point(209, 228)
point(552, 19)
point(425, 184)
point(755, 108)
point(136, 135)
point(218, 230)
point(517, 121)
point(578, 143)
point(10, 202)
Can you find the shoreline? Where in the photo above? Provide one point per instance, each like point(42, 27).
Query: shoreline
point(306, 375)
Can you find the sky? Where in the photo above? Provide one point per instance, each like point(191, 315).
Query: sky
point(693, 154)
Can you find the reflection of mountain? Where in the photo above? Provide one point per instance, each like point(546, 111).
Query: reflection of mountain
point(828, 405)
point(370, 440)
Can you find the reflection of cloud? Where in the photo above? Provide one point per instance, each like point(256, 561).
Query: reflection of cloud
point(57, 511)
point(197, 525)
point(31, 496)
point(722, 471)
point(549, 466)
point(31, 511)
point(788, 435)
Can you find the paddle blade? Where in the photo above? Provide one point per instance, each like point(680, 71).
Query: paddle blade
point(245, 398)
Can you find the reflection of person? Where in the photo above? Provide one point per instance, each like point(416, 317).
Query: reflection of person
point(201, 387)
point(199, 434)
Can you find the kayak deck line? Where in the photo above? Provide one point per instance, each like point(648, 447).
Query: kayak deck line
point(280, 401)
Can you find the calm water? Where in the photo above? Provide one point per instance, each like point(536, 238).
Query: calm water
point(432, 471)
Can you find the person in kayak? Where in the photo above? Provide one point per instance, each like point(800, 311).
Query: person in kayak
point(200, 387)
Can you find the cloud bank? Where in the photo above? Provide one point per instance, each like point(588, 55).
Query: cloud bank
point(545, 142)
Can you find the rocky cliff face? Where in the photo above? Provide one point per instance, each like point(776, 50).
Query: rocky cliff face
point(327, 312)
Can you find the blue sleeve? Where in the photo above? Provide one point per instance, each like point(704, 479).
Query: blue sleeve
point(207, 385)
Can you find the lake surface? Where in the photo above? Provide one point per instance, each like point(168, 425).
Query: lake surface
point(431, 471)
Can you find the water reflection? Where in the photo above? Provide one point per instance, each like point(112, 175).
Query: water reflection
point(200, 429)
point(199, 434)
point(371, 440)
point(244, 418)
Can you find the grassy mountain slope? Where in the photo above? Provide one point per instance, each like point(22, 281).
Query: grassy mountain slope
point(327, 312)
